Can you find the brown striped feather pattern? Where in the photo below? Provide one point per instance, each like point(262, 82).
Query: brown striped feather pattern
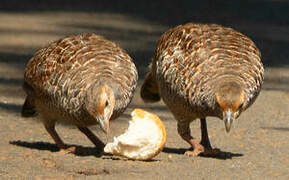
point(192, 62)
point(58, 77)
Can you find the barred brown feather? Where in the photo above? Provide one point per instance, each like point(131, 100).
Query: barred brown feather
point(60, 78)
point(195, 62)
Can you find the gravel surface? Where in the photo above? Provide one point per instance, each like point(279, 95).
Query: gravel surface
point(256, 148)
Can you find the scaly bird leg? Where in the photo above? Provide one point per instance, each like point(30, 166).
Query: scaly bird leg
point(205, 141)
point(184, 132)
point(97, 142)
point(63, 149)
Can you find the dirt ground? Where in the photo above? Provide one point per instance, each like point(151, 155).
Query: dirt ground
point(256, 148)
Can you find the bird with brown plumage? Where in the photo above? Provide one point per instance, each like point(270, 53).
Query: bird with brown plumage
point(202, 70)
point(84, 80)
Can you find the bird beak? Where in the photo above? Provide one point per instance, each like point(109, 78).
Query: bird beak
point(228, 119)
point(104, 124)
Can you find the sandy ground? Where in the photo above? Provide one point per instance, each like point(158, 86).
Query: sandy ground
point(257, 148)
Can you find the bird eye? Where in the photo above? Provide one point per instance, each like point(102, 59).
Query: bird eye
point(106, 103)
point(241, 105)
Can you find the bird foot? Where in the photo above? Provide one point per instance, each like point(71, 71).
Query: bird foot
point(194, 152)
point(203, 152)
point(70, 150)
point(209, 151)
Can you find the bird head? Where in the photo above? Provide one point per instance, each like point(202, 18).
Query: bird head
point(231, 98)
point(99, 104)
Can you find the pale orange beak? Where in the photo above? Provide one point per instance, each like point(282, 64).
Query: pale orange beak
point(104, 124)
point(228, 119)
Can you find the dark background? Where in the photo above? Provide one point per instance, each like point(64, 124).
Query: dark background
point(272, 16)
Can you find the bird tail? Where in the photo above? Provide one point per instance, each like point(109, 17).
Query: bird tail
point(28, 108)
point(149, 89)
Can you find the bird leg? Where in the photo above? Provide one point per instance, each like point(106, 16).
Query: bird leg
point(63, 148)
point(184, 132)
point(205, 141)
point(95, 140)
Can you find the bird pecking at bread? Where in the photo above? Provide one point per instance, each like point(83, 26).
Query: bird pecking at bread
point(84, 80)
point(202, 70)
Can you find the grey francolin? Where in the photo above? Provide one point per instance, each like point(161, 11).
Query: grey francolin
point(204, 70)
point(84, 80)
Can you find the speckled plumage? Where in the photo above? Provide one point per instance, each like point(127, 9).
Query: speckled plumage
point(193, 62)
point(61, 76)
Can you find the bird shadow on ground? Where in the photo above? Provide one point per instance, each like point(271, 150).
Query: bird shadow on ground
point(112, 157)
point(223, 155)
point(79, 150)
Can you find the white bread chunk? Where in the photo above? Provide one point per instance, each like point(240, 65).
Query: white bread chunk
point(143, 140)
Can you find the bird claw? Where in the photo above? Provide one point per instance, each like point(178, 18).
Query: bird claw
point(194, 152)
point(70, 150)
point(205, 152)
